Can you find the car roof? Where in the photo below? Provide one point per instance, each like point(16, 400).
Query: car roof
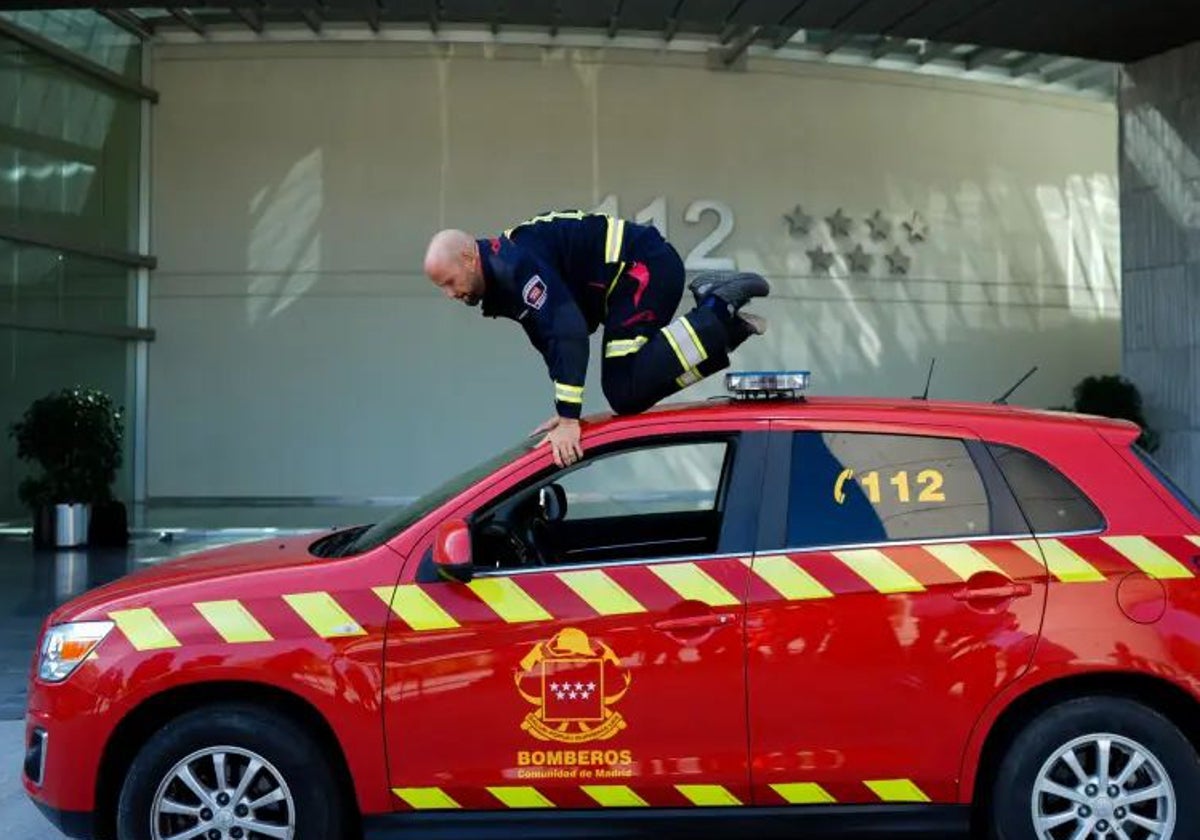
point(872, 409)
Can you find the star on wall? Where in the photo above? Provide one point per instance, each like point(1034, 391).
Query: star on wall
point(898, 261)
point(916, 227)
point(799, 222)
point(839, 223)
point(821, 259)
point(860, 260)
point(879, 225)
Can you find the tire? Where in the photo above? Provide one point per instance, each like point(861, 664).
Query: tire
point(294, 773)
point(1039, 754)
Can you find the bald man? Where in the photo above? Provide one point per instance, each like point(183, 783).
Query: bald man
point(563, 274)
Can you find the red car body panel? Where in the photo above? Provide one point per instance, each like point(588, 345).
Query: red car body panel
point(759, 689)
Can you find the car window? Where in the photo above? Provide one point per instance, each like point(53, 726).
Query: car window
point(1050, 502)
point(852, 488)
point(662, 479)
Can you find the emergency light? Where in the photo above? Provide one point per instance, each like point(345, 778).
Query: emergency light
point(767, 384)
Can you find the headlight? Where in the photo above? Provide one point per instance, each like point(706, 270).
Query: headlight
point(66, 645)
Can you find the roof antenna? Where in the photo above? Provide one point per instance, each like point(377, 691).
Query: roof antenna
point(1003, 400)
point(928, 379)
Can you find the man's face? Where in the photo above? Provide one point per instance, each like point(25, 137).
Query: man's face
point(459, 279)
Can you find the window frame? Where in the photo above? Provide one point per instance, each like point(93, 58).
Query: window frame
point(742, 484)
point(1009, 521)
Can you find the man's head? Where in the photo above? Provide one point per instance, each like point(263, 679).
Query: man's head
point(452, 263)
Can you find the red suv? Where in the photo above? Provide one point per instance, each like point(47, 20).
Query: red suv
point(864, 614)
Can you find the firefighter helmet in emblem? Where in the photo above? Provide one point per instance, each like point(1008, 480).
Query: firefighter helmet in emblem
point(573, 681)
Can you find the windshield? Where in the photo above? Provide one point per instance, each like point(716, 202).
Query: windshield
point(384, 530)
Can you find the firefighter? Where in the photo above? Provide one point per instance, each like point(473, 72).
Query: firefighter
point(562, 274)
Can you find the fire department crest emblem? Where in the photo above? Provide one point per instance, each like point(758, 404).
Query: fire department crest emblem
point(573, 681)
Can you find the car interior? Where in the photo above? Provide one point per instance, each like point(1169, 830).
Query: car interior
point(535, 525)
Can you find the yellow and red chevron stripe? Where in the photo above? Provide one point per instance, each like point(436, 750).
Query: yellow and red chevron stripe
point(628, 590)
point(572, 796)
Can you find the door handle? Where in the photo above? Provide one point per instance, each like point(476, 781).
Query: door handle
point(994, 593)
point(694, 622)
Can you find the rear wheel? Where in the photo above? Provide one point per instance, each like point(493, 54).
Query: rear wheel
point(232, 772)
point(1098, 767)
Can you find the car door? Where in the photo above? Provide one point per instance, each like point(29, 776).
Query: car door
point(898, 593)
point(607, 675)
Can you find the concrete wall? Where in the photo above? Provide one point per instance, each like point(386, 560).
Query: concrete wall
point(1160, 214)
point(301, 351)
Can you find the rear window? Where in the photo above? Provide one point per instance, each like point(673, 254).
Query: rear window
point(1166, 481)
point(1051, 503)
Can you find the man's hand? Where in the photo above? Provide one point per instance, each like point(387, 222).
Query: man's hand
point(563, 438)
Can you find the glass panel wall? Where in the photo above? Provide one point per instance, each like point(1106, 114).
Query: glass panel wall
point(69, 152)
point(69, 170)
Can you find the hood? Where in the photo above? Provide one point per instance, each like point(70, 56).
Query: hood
point(248, 558)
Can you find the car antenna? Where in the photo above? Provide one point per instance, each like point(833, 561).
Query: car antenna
point(1003, 400)
point(928, 379)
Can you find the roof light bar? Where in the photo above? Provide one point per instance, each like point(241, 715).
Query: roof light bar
point(767, 384)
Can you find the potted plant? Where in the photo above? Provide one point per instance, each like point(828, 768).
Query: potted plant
point(1115, 396)
point(75, 436)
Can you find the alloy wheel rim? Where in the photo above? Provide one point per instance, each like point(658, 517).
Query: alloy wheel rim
point(1103, 786)
point(223, 793)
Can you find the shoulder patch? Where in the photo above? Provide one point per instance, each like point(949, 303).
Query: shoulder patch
point(534, 293)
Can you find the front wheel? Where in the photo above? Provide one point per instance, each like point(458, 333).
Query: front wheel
point(231, 772)
point(1098, 767)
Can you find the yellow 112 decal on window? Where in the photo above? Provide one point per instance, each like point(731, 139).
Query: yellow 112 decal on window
point(928, 485)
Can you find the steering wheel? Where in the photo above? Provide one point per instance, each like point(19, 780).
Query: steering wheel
point(536, 532)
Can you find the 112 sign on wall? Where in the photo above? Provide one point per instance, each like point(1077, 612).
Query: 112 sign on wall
point(700, 258)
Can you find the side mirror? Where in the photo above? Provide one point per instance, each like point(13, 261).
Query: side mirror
point(452, 551)
point(553, 501)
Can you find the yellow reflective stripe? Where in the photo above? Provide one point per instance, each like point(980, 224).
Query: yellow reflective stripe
point(788, 578)
point(964, 560)
point(144, 629)
point(1062, 562)
point(424, 799)
point(1149, 557)
point(879, 570)
point(520, 797)
point(695, 339)
point(683, 362)
point(602, 593)
point(624, 346)
point(708, 795)
point(614, 796)
point(1196, 540)
point(415, 607)
point(692, 583)
point(685, 342)
point(233, 621)
point(324, 615)
point(897, 790)
point(548, 217)
point(689, 377)
point(803, 793)
point(568, 393)
point(612, 284)
point(508, 600)
point(613, 234)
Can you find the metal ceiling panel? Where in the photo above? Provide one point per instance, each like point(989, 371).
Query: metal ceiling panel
point(825, 14)
point(933, 18)
point(882, 16)
point(646, 15)
point(1112, 30)
point(761, 12)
